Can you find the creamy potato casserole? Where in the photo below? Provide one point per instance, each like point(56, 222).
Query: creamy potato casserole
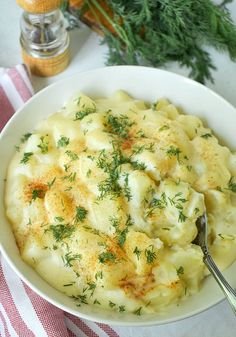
point(104, 195)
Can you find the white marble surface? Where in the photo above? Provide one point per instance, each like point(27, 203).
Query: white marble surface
point(86, 54)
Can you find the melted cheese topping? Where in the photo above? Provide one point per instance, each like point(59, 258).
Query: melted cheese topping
point(103, 198)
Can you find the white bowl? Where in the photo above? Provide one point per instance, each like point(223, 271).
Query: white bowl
point(144, 83)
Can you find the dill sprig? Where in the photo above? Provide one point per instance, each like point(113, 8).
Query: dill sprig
point(69, 258)
point(111, 164)
point(106, 256)
point(155, 32)
point(61, 231)
point(232, 185)
point(119, 125)
point(150, 254)
point(81, 213)
point(43, 145)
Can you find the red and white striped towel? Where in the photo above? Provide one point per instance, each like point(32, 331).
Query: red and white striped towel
point(22, 312)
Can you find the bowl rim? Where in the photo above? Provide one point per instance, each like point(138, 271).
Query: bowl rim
point(151, 69)
point(77, 313)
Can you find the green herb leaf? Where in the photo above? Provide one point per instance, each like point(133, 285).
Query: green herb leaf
point(164, 127)
point(174, 152)
point(158, 32)
point(121, 308)
point(50, 183)
point(63, 141)
point(137, 252)
point(180, 270)
point(61, 231)
point(91, 287)
point(69, 258)
point(43, 144)
point(81, 213)
point(232, 185)
point(26, 157)
point(111, 304)
point(80, 298)
point(37, 193)
point(150, 254)
point(106, 257)
point(138, 311)
point(96, 301)
point(25, 137)
point(70, 177)
point(119, 125)
point(206, 135)
point(72, 155)
point(99, 275)
point(79, 115)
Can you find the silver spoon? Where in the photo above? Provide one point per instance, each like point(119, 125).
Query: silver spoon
point(201, 240)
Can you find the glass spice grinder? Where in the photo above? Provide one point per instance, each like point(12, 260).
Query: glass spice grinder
point(44, 39)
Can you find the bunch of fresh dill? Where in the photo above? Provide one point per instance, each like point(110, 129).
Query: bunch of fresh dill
point(154, 32)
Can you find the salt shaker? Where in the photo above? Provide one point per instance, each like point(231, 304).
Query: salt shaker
point(44, 39)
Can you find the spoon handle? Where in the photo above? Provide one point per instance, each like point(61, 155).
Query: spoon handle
point(229, 292)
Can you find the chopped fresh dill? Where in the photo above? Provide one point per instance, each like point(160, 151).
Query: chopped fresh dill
point(99, 275)
point(155, 203)
point(80, 298)
point(59, 219)
point(61, 231)
point(79, 115)
point(37, 193)
point(50, 183)
point(92, 230)
point(26, 157)
point(81, 213)
point(72, 155)
point(91, 288)
point(121, 234)
point(96, 301)
point(182, 217)
point(232, 185)
point(68, 284)
point(140, 134)
point(196, 210)
point(121, 308)
point(68, 188)
point(70, 177)
point(139, 149)
point(43, 146)
point(66, 167)
point(106, 257)
point(137, 252)
point(177, 198)
point(164, 127)
point(69, 258)
point(111, 304)
point(180, 270)
point(63, 141)
point(174, 152)
point(150, 254)
point(138, 311)
point(88, 174)
point(25, 137)
point(138, 166)
point(119, 125)
point(206, 135)
point(126, 189)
